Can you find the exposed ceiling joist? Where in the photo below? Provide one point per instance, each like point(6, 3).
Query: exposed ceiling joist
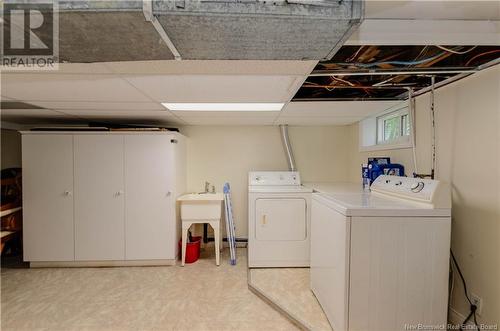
point(372, 72)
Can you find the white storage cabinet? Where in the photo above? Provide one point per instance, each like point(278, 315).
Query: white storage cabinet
point(101, 198)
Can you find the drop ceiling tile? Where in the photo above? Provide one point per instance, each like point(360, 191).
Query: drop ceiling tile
point(203, 120)
point(45, 116)
point(338, 108)
point(117, 106)
point(117, 114)
point(130, 117)
point(316, 120)
point(29, 122)
point(75, 88)
point(161, 122)
point(426, 32)
point(213, 67)
point(30, 113)
point(217, 88)
point(432, 10)
point(83, 68)
point(35, 116)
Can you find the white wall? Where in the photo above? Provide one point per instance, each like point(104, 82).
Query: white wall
point(468, 157)
point(11, 149)
point(220, 154)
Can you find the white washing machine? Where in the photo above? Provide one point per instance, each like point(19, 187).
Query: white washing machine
point(278, 220)
point(380, 260)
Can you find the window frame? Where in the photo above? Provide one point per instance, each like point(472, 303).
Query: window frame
point(401, 137)
point(370, 130)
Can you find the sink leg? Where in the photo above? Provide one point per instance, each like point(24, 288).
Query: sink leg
point(185, 228)
point(216, 227)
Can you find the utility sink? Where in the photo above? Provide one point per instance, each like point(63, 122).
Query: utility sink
point(205, 206)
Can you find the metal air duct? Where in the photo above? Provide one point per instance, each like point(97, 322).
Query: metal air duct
point(134, 30)
point(258, 29)
point(287, 147)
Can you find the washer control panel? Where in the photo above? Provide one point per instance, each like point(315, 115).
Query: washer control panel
point(422, 190)
point(273, 178)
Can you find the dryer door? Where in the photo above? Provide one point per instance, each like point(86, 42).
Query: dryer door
point(281, 219)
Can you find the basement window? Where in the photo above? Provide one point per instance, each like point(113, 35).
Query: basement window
point(393, 127)
point(388, 130)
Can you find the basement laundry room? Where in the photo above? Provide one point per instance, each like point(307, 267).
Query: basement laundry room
point(250, 165)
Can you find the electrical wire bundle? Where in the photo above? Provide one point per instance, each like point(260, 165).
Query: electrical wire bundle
point(415, 62)
point(473, 307)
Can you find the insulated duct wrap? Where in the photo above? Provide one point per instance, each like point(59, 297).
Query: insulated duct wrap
point(207, 29)
point(258, 30)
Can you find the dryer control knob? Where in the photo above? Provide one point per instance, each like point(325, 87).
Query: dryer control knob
point(417, 187)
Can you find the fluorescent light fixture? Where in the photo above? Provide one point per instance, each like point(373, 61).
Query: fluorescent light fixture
point(223, 106)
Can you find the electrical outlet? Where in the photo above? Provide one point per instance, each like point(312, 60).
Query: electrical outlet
point(478, 301)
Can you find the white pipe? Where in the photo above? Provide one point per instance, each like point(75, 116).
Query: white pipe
point(411, 112)
point(433, 120)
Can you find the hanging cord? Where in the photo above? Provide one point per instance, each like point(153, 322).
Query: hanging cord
point(452, 284)
point(473, 307)
point(433, 122)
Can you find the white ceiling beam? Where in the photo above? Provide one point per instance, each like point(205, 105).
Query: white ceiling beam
point(426, 32)
point(433, 9)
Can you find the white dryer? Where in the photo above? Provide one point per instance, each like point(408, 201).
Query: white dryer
point(278, 220)
point(380, 260)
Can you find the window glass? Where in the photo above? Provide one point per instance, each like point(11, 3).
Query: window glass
point(387, 130)
point(405, 125)
point(393, 127)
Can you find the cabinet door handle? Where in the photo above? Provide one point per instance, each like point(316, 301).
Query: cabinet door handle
point(119, 193)
point(169, 193)
point(68, 193)
point(264, 219)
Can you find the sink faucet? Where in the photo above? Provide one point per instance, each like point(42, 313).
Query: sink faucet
point(207, 189)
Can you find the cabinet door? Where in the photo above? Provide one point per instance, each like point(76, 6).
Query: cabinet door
point(99, 197)
point(149, 216)
point(48, 197)
point(281, 219)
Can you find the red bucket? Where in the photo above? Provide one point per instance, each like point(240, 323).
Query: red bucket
point(192, 249)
